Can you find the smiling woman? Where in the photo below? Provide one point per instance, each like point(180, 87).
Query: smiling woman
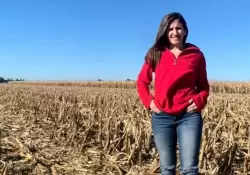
point(180, 94)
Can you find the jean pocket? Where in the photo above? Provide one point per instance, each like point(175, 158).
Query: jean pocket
point(193, 114)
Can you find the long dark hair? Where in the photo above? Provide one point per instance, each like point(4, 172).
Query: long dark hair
point(161, 42)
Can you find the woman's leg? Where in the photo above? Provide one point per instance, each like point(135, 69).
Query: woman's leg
point(164, 131)
point(189, 132)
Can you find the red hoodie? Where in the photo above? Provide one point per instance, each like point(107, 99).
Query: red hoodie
point(176, 81)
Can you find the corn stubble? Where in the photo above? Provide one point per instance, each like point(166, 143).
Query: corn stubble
point(97, 130)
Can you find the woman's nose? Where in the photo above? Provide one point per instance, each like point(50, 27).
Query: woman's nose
point(174, 31)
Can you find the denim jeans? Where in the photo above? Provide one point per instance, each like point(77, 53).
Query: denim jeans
point(186, 130)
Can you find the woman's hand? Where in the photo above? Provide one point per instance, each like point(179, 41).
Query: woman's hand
point(192, 106)
point(153, 107)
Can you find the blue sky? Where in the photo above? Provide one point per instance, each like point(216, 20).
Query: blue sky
point(90, 39)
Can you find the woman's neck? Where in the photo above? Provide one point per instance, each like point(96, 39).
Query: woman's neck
point(180, 47)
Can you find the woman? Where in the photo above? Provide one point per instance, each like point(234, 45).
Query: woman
point(180, 94)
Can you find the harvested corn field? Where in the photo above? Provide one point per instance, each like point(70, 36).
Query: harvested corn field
point(215, 86)
point(97, 130)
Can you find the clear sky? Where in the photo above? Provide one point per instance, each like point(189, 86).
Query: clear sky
point(92, 39)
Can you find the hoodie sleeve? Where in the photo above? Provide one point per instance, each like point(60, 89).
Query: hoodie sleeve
point(202, 85)
point(143, 81)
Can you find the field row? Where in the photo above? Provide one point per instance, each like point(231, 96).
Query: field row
point(216, 87)
point(110, 132)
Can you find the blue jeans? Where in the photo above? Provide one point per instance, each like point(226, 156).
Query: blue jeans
point(185, 129)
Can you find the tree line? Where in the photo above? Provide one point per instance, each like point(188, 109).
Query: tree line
point(2, 80)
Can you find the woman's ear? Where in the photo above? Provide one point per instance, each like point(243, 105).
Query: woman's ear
point(185, 32)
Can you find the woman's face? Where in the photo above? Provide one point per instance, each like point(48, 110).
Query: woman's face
point(176, 33)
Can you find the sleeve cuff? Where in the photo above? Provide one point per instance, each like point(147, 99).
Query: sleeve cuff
point(198, 102)
point(148, 102)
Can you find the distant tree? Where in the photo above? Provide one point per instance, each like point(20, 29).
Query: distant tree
point(20, 79)
point(128, 79)
point(2, 80)
point(9, 79)
point(99, 80)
